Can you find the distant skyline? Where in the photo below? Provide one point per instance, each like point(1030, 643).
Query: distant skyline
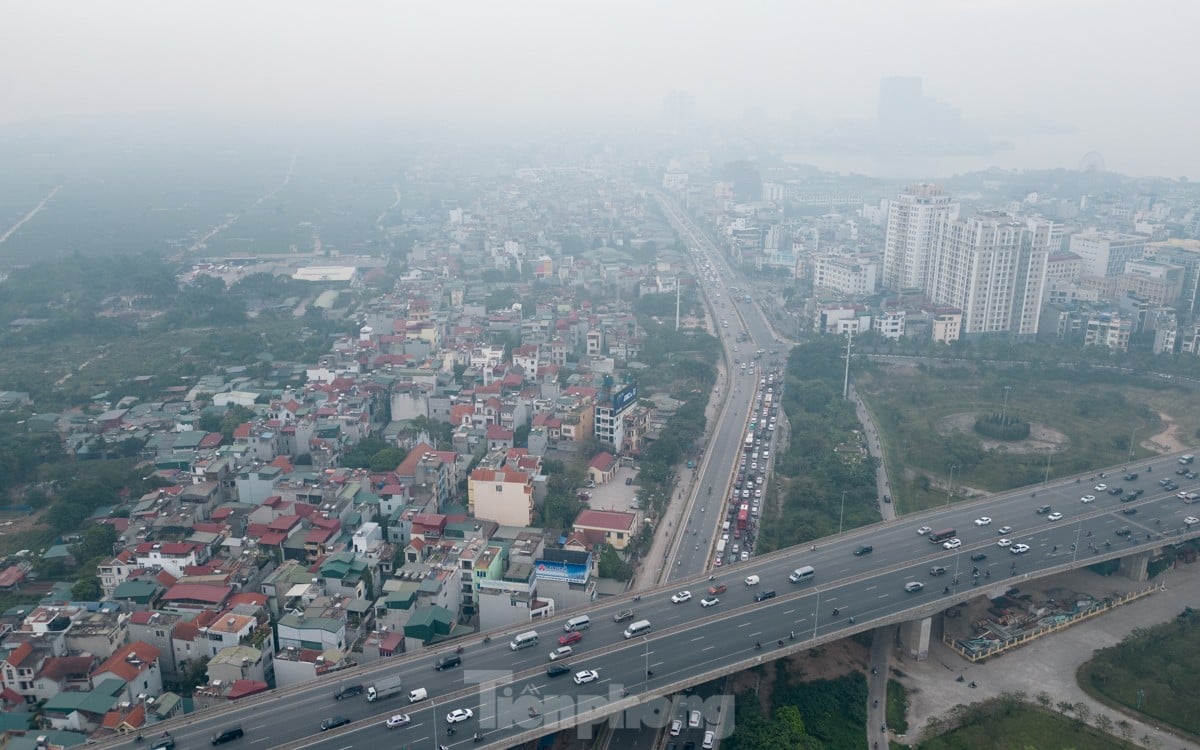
point(1120, 73)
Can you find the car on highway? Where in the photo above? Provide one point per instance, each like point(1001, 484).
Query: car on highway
point(1100, 487)
point(1019, 549)
point(1130, 511)
point(1055, 516)
point(976, 557)
point(924, 530)
point(557, 670)
point(953, 543)
point(447, 661)
point(913, 587)
point(752, 580)
point(983, 521)
point(1043, 510)
point(459, 714)
point(560, 653)
point(1004, 530)
point(938, 570)
point(1131, 476)
point(681, 597)
point(676, 727)
point(623, 615)
point(709, 601)
point(1191, 521)
point(762, 596)
point(1124, 531)
point(1170, 486)
point(717, 588)
point(866, 549)
point(1116, 491)
point(567, 639)
point(1088, 499)
point(1004, 543)
point(333, 722)
point(585, 676)
point(164, 743)
point(397, 720)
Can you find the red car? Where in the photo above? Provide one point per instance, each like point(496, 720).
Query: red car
point(570, 638)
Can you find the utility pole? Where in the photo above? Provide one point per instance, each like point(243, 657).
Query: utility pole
point(676, 303)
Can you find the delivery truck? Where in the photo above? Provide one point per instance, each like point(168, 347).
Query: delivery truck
point(385, 687)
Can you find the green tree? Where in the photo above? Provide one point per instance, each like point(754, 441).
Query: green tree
point(235, 416)
point(612, 566)
point(87, 588)
point(97, 543)
point(387, 459)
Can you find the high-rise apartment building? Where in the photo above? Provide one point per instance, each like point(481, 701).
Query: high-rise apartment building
point(992, 268)
point(1105, 253)
point(912, 219)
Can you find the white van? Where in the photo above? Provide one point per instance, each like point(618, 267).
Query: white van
point(752, 580)
point(524, 640)
point(419, 694)
point(802, 574)
point(583, 622)
point(640, 627)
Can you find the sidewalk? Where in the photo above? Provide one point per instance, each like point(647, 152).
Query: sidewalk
point(1049, 663)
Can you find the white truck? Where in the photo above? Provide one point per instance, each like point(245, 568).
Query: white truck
point(384, 687)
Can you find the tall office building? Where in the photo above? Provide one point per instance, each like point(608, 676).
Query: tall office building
point(912, 217)
point(993, 268)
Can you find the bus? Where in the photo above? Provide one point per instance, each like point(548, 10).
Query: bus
point(743, 516)
point(941, 536)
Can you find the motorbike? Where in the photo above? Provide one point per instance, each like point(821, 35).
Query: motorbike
point(487, 639)
point(758, 646)
point(478, 737)
point(458, 650)
point(835, 612)
point(532, 712)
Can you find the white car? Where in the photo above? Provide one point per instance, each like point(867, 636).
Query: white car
point(913, 587)
point(1100, 487)
point(924, 530)
point(983, 521)
point(752, 580)
point(1055, 516)
point(709, 601)
point(1088, 499)
point(1004, 543)
point(459, 714)
point(1019, 549)
point(681, 597)
point(586, 676)
point(954, 543)
point(398, 720)
point(1004, 530)
point(1191, 521)
point(560, 652)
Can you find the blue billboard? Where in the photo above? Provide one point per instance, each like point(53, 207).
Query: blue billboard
point(623, 398)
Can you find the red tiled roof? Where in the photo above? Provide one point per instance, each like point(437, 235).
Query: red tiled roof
point(200, 592)
point(11, 576)
point(120, 662)
point(602, 462)
point(246, 688)
point(58, 667)
point(20, 654)
point(614, 520)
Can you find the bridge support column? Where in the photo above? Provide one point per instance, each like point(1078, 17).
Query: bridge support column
point(915, 635)
point(1134, 566)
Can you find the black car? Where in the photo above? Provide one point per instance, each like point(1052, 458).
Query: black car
point(1182, 472)
point(1124, 531)
point(866, 549)
point(348, 691)
point(333, 722)
point(164, 743)
point(1131, 476)
point(1130, 511)
point(1043, 510)
point(937, 570)
point(1116, 491)
point(978, 556)
point(557, 670)
point(762, 596)
point(1129, 498)
point(1170, 486)
point(447, 661)
point(1136, 493)
point(227, 735)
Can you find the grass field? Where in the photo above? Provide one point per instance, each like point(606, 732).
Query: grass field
point(1005, 724)
point(1155, 672)
point(1084, 421)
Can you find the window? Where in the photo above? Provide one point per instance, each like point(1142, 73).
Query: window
point(499, 488)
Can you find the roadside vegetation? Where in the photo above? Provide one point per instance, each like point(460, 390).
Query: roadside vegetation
point(1154, 672)
point(809, 715)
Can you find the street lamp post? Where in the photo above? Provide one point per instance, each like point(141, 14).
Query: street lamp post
point(1004, 412)
point(950, 488)
point(1131, 437)
point(842, 512)
point(1049, 453)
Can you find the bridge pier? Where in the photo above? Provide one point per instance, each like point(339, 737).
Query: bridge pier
point(915, 636)
point(1134, 566)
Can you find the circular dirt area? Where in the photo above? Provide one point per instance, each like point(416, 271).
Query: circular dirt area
point(1041, 438)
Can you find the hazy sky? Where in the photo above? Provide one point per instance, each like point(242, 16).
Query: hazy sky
point(1122, 72)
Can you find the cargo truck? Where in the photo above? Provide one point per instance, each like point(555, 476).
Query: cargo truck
point(385, 687)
